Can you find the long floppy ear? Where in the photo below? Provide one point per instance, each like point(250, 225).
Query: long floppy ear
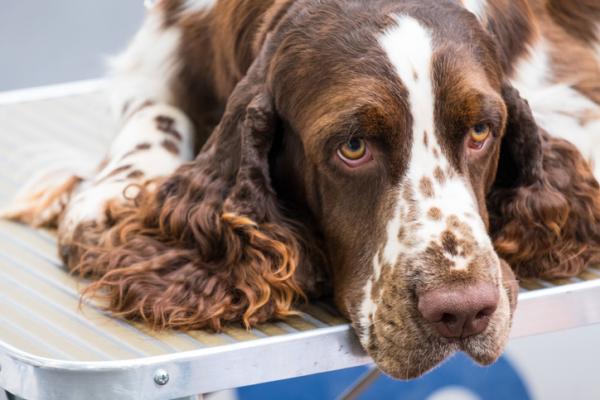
point(545, 203)
point(210, 244)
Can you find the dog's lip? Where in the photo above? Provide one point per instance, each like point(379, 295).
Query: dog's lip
point(433, 347)
point(452, 341)
point(397, 367)
point(459, 342)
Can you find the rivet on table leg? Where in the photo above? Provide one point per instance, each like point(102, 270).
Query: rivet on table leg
point(161, 377)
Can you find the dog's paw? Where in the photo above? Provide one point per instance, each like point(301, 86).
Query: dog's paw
point(43, 200)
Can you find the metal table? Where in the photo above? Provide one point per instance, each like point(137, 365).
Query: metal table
point(52, 349)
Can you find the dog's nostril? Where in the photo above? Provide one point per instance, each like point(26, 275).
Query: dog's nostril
point(448, 318)
point(485, 313)
point(459, 311)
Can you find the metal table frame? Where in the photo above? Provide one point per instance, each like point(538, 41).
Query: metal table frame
point(553, 307)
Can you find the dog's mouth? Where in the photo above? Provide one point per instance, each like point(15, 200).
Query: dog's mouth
point(407, 356)
point(404, 346)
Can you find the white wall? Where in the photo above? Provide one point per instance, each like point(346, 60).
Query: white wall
point(562, 365)
point(52, 41)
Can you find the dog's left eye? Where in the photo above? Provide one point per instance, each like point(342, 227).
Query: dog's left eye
point(478, 134)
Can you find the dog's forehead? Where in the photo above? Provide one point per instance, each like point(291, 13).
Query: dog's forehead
point(326, 70)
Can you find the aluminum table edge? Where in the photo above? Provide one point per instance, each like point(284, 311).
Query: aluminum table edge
point(557, 308)
point(199, 371)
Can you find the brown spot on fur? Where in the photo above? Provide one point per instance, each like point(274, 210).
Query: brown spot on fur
point(410, 213)
point(426, 187)
point(135, 174)
point(456, 224)
point(425, 139)
point(138, 148)
point(402, 233)
point(407, 193)
point(117, 171)
point(436, 153)
point(449, 243)
point(439, 176)
point(435, 255)
point(164, 123)
point(170, 146)
point(435, 213)
point(415, 74)
point(143, 146)
point(174, 134)
point(167, 125)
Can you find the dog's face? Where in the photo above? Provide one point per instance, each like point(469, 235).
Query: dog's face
point(394, 117)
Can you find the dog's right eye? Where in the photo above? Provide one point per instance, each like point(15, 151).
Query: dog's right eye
point(354, 152)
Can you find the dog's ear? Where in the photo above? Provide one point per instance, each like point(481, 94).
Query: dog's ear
point(210, 244)
point(544, 205)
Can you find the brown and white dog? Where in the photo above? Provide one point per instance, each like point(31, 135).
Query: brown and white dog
point(378, 149)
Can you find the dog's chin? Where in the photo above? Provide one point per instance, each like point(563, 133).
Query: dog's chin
point(409, 352)
point(481, 351)
point(413, 363)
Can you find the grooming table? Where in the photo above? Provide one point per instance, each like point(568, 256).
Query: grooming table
point(51, 349)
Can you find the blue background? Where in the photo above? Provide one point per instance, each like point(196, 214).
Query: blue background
point(497, 382)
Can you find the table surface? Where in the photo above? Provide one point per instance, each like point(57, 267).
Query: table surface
point(53, 347)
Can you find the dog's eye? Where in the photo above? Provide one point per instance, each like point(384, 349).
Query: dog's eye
point(478, 134)
point(354, 152)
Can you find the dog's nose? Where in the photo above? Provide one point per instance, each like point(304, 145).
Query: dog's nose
point(459, 312)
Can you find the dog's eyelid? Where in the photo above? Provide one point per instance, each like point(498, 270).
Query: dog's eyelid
point(335, 140)
point(491, 120)
point(488, 109)
point(492, 115)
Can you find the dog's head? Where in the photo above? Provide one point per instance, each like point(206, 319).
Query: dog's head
point(370, 144)
point(394, 118)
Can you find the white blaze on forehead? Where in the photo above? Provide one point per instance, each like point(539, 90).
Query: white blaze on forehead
point(410, 49)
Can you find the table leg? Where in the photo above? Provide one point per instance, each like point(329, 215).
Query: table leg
point(362, 384)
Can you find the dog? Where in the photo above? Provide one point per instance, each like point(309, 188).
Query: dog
point(407, 157)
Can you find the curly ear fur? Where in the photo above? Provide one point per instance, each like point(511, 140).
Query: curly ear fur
point(210, 244)
point(545, 204)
